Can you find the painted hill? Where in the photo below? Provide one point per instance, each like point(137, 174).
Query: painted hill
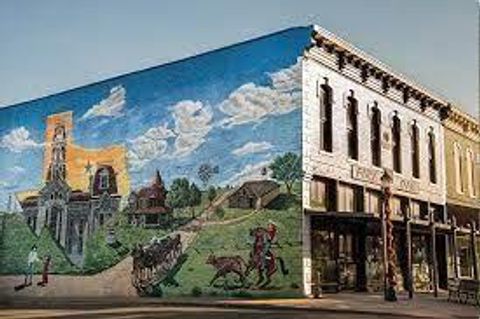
point(18, 239)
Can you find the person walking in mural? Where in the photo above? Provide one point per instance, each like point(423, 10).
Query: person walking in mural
point(31, 260)
point(46, 267)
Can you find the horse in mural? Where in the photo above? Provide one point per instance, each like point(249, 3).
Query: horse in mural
point(262, 257)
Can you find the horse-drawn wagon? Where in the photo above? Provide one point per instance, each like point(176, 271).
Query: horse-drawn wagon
point(153, 263)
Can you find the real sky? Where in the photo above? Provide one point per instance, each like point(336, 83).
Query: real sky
point(52, 45)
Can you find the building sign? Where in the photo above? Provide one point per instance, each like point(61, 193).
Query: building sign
point(367, 174)
point(406, 185)
point(374, 176)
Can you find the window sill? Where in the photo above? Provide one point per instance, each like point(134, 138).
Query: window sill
point(327, 153)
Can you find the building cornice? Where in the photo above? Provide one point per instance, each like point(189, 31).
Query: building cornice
point(346, 54)
point(464, 124)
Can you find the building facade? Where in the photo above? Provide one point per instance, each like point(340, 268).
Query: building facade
point(462, 158)
point(360, 120)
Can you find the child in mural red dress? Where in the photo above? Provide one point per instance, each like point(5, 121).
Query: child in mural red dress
point(46, 266)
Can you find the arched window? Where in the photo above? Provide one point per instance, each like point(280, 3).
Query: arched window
point(352, 126)
point(415, 152)
point(457, 161)
point(104, 179)
point(470, 172)
point(325, 95)
point(375, 138)
point(431, 157)
point(396, 147)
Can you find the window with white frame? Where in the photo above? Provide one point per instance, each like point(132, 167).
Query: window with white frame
point(397, 144)
point(352, 126)
point(375, 138)
point(325, 95)
point(470, 172)
point(415, 151)
point(432, 161)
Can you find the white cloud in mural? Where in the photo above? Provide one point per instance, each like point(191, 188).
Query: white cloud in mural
point(251, 172)
point(253, 103)
point(152, 144)
point(17, 169)
point(251, 148)
point(288, 79)
point(112, 106)
point(193, 121)
point(18, 140)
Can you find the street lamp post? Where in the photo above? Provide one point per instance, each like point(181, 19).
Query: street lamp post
point(387, 231)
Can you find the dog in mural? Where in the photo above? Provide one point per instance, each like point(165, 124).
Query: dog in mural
point(226, 265)
point(262, 256)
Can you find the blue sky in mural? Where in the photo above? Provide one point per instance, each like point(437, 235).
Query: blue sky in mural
point(236, 107)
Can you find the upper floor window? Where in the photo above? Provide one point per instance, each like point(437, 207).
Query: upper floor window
point(415, 152)
point(352, 126)
point(431, 157)
point(375, 138)
point(470, 172)
point(458, 163)
point(396, 147)
point(325, 95)
point(104, 179)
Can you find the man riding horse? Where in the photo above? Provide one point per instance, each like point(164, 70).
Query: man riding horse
point(262, 257)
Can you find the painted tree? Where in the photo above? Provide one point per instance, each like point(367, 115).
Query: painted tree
point(179, 195)
point(195, 198)
point(206, 172)
point(287, 168)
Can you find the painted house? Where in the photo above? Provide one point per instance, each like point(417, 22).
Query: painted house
point(147, 206)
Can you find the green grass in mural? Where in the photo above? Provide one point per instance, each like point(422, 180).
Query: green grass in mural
point(99, 255)
point(233, 239)
point(227, 213)
point(18, 239)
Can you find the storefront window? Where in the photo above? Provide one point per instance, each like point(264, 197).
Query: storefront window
point(421, 278)
point(374, 203)
point(346, 198)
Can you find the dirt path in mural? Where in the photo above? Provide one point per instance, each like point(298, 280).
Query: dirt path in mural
point(114, 281)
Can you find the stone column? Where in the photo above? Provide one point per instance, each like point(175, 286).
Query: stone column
point(306, 255)
point(473, 244)
point(433, 249)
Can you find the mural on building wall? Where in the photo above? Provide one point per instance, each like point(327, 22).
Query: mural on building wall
point(178, 180)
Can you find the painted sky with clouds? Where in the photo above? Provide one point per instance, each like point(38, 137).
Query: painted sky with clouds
point(236, 107)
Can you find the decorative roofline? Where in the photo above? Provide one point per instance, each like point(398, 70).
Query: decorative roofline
point(369, 66)
point(467, 122)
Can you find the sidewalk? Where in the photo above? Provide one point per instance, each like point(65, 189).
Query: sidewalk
point(422, 306)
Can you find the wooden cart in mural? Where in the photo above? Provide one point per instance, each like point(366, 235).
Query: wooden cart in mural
point(153, 263)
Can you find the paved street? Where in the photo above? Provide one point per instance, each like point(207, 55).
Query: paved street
point(342, 305)
point(177, 313)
